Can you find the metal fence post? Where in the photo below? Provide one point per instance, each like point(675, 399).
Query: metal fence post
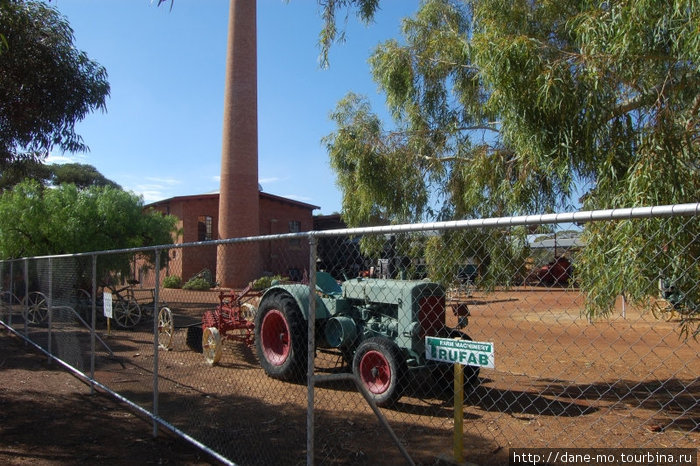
point(311, 348)
point(12, 291)
point(155, 342)
point(49, 305)
point(93, 312)
point(26, 296)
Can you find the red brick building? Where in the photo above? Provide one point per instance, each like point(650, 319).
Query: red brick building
point(199, 221)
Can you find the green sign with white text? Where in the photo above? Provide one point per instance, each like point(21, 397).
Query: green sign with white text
point(455, 351)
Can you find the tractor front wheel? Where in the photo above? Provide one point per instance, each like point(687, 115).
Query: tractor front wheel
point(281, 337)
point(379, 365)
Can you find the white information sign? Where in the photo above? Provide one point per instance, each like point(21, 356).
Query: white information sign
point(455, 351)
point(107, 299)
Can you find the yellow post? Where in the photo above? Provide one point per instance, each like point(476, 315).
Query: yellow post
point(108, 329)
point(458, 444)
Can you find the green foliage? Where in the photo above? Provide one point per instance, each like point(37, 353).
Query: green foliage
point(500, 257)
point(330, 34)
point(81, 175)
point(501, 108)
point(66, 220)
point(172, 281)
point(265, 282)
point(511, 107)
point(46, 84)
point(202, 280)
point(197, 284)
point(654, 249)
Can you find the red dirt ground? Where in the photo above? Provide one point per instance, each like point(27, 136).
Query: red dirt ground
point(49, 417)
point(558, 380)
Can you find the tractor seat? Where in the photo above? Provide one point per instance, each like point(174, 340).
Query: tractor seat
point(326, 284)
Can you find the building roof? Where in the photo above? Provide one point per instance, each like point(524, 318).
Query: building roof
point(288, 201)
point(263, 195)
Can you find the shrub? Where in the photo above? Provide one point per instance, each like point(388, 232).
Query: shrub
point(206, 275)
point(265, 282)
point(172, 281)
point(197, 284)
point(202, 280)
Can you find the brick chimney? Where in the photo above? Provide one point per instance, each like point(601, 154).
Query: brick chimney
point(239, 200)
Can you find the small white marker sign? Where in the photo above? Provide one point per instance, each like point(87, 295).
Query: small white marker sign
point(107, 299)
point(455, 351)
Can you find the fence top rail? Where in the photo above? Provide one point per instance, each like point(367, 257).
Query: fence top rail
point(674, 210)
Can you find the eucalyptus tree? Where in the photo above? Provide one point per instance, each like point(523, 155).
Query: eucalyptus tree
point(47, 85)
point(79, 174)
point(514, 107)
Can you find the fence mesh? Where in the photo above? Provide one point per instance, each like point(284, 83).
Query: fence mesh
point(575, 364)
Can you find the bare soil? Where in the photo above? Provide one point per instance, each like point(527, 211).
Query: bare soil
point(559, 381)
point(49, 417)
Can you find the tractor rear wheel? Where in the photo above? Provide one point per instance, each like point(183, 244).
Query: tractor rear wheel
point(281, 337)
point(380, 366)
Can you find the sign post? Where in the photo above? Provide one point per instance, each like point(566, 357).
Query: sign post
point(460, 353)
point(107, 308)
point(457, 437)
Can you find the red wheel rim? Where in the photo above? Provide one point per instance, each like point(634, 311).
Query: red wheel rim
point(375, 372)
point(274, 336)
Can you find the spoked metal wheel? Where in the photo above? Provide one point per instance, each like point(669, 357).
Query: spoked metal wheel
point(36, 308)
point(211, 345)
point(248, 311)
point(126, 313)
point(166, 328)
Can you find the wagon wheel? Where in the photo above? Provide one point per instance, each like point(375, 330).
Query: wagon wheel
point(166, 328)
point(248, 311)
point(280, 337)
point(211, 345)
point(379, 365)
point(126, 313)
point(36, 308)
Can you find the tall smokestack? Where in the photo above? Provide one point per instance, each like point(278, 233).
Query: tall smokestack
point(239, 199)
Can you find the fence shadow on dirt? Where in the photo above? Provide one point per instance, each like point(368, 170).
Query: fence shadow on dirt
point(673, 403)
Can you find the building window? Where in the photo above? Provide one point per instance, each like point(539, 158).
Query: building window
point(204, 228)
point(295, 227)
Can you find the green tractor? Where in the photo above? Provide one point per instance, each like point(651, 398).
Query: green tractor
point(379, 326)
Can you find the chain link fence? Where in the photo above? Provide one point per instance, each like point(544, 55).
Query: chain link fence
point(593, 344)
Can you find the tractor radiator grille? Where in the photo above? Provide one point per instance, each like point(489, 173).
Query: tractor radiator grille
point(431, 315)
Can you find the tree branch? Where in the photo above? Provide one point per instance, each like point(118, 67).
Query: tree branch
point(652, 95)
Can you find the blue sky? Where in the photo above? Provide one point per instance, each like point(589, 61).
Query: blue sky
point(161, 134)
